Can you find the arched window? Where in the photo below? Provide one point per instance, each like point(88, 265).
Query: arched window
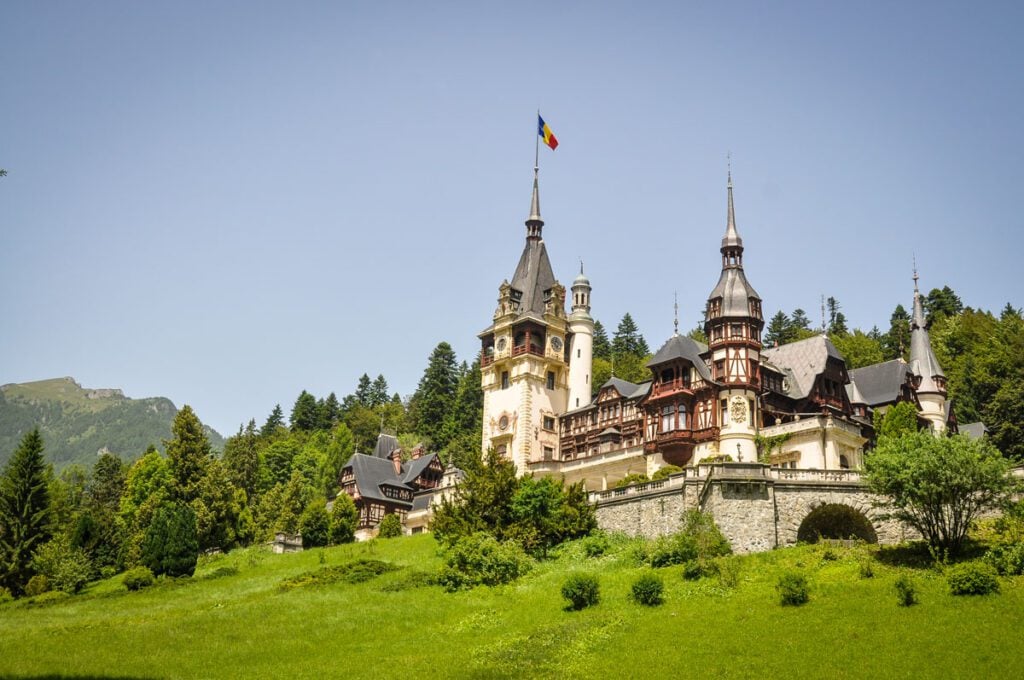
point(683, 425)
point(844, 463)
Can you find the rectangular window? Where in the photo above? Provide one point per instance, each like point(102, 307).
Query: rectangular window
point(736, 330)
point(725, 412)
point(549, 423)
point(504, 380)
point(667, 418)
point(551, 380)
point(549, 453)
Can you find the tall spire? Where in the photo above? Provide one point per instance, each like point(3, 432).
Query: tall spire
point(923, 363)
point(732, 237)
point(675, 321)
point(534, 223)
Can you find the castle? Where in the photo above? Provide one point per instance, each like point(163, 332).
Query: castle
point(794, 406)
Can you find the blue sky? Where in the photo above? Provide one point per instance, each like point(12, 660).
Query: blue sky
point(226, 203)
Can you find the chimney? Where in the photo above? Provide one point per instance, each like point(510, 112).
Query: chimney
point(417, 451)
point(396, 460)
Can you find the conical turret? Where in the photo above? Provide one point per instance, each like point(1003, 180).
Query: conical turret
point(923, 363)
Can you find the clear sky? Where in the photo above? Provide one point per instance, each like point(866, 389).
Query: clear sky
point(226, 203)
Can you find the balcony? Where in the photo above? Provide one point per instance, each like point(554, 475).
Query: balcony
point(670, 387)
point(519, 350)
point(673, 437)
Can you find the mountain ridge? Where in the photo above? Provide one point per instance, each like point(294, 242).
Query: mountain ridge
point(78, 423)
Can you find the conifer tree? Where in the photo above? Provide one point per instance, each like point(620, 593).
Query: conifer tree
point(171, 544)
point(896, 343)
point(836, 319)
point(436, 393)
point(779, 330)
point(379, 392)
point(305, 414)
point(275, 421)
point(242, 459)
point(188, 454)
point(364, 391)
point(24, 511)
point(602, 347)
point(330, 412)
point(628, 339)
point(344, 520)
point(800, 321)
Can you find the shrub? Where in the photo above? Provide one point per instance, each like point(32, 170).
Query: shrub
point(344, 520)
point(138, 578)
point(108, 571)
point(867, 569)
point(581, 590)
point(390, 526)
point(1008, 560)
point(596, 545)
point(792, 589)
point(634, 478)
point(5, 595)
point(410, 580)
point(829, 555)
point(906, 591)
point(315, 525)
point(479, 559)
point(972, 578)
point(696, 569)
point(171, 543)
point(37, 585)
point(666, 471)
point(49, 597)
point(699, 538)
point(648, 590)
point(728, 570)
point(66, 567)
point(357, 571)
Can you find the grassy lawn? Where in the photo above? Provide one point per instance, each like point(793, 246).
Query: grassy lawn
point(234, 620)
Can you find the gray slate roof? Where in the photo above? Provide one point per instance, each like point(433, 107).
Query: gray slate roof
point(533, 276)
point(974, 430)
point(386, 444)
point(802, 362)
point(682, 347)
point(880, 384)
point(922, 359)
point(371, 472)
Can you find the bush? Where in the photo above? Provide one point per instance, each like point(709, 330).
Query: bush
point(595, 545)
point(5, 595)
point(728, 570)
point(699, 538)
point(972, 578)
point(666, 471)
point(49, 597)
point(581, 590)
point(390, 526)
point(357, 571)
point(138, 578)
point(66, 567)
point(648, 590)
point(344, 520)
point(315, 525)
point(171, 543)
point(1008, 560)
point(480, 559)
point(694, 570)
point(634, 478)
point(906, 591)
point(792, 589)
point(867, 569)
point(829, 555)
point(37, 585)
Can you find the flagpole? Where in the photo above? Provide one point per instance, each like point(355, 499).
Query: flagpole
point(536, 144)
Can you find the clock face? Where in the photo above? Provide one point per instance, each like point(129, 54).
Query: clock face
point(501, 344)
point(556, 344)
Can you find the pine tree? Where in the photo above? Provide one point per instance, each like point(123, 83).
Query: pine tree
point(330, 412)
point(628, 340)
point(602, 347)
point(171, 544)
point(942, 303)
point(466, 415)
point(896, 343)
point(275, 421)
point(305, 413)
point(836, 319)
point(188, 454)
point(379, 392)
point(799, 320)
point(779, 330)
point(364, 391)
point(242, 459)
point(315, 525)
point(344, 520)
point(435, 394)
point(107, 484)
point(24, 511)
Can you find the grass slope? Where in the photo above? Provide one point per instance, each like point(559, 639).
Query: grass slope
point(76, 422)
point(236, 619)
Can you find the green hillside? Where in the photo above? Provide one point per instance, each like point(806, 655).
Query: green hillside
point(234, 619)
point(77, 422)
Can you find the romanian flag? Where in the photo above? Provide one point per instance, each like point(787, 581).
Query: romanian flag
point(545, 132)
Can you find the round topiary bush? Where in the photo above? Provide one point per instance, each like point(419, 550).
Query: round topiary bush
point(37, 585)
point(972, 578)
point(138, 578)
point(582, 591)
point(792, 589)
point(648, 590)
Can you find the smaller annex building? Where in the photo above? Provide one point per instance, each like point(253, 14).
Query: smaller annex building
point(381, 483)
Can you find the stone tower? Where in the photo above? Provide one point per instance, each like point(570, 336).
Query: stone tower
point(524, 364)
point(929, 380)
point(581, 344)
point(733, 323)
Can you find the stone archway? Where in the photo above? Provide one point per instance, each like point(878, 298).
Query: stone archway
point(836, 521)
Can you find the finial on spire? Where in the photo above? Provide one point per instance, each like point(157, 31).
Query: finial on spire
point(534, 223)
point(675, 323)
point(914, 256)
point(732, 237)
point(728, 165)
point(581, 265)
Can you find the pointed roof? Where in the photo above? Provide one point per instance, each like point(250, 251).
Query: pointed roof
point(923, 363)
point(802, 362)
point(682, 347)
point(732, 237)
point(879, 384)
point(533, 277)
